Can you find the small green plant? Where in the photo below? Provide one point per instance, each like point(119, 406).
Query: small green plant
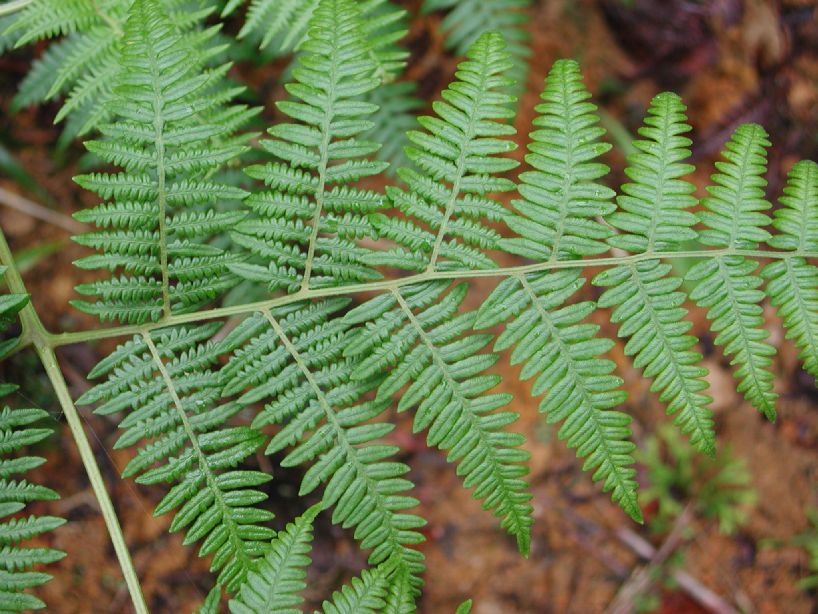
point(365, 291)
point(808, 541)
point(719, 488)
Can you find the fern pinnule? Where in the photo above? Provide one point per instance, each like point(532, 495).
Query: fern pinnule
point(363, 595)
point(654, 209)
point(17, 431)
point(726, 284)
point(647, 298)
point(792, 283)
point(418, 334)
point(456, 163)
point(173, 132)
point(306, 226)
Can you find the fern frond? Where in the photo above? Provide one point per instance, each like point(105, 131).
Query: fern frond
point(17, 431)
point(792, 283)
point(654, 215)
point(563, 353)
point(447, 383)
point(466, 20)
point(275, 585)
point(726, 284)
point(292, 358)
point(163, 382)
point(307, 225)
point(456, 164)
point(173, 133)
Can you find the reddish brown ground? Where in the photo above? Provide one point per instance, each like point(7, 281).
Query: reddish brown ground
point(733, 61)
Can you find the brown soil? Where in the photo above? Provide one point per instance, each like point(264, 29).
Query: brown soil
point(732, 61)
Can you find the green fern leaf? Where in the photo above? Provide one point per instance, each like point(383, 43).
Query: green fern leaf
point(292, 357)
point(83, 65)
point(561, 197)
point(447, 383)
point(306, 227)
point(564, 354)
point(654, 215)
point(173, 133)
point(456, 165)
point(792, 283)
point(363, 595)
point(164, 384)
point(735, 219)
point(275, 585)
point(17, 431)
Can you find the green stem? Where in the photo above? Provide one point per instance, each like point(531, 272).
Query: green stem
point(35, 333)
point(56, 340)
point(14, 6)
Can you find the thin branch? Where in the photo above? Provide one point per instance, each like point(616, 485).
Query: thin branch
point(698, 591)
point(14, 6)
point(642, 577)
point(40, 212)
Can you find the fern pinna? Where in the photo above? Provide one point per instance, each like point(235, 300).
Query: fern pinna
point(310, 375)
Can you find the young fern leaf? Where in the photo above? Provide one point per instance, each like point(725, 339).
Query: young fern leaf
point(447, 383)
point(16, 561)
point(468, 19)
point(275, 585)
point(792, 283)
point(653, 216)
point(456, 165)
point(292, 357)
point(174, 130)
point(556, 220)
point(306, 227)
point(734, 219)
point(163, 382)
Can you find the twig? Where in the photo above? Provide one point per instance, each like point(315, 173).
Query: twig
point(14, 6)
point(645, 550)
point(690, 585)
point(36, 210)
point(643, 576)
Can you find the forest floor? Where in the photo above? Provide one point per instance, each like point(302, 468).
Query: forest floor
point(732, 61)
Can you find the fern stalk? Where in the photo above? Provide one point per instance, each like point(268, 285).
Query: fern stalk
point(36, 334)
point(55, 340)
